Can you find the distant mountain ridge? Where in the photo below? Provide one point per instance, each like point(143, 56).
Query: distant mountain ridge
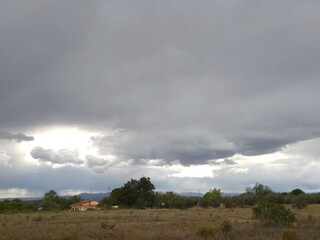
point(100, 196)
point(93, 196)
point(84, 196)
point(191, 194)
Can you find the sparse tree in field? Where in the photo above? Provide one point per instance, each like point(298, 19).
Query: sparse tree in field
point(213, 194)
point(135, 193)
point(52, 201)
point(211, 198)
point(51, 196)
point(74, 199)
point(297, 192)
point(259, 190)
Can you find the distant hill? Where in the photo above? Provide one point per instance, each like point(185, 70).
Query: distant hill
point(93, 196)
point(100, 196)
point(24, 199)
point(84, 196)
point(197, 194)
point(191, 194)
point(230, 194)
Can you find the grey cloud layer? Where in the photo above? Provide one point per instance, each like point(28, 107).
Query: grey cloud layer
point(188, 81)
point(63, 156)
point(17, 137)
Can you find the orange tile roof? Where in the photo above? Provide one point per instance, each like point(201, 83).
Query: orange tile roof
point(86, 204)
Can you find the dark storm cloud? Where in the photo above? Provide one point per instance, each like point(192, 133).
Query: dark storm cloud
point(190, 147)
point(17, 137)
point(63, 156)
point(187, 81)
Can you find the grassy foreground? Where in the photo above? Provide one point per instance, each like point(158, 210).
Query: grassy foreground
point(150, 224)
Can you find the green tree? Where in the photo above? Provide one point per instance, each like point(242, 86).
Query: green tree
point(259, 190)
point(51, 196)
point(297, 192)
point(116, 196)
point(52, 201)
point(74, 199)
point(211, 198)
point(135, 193)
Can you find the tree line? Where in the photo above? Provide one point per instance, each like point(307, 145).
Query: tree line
point(51, 201)
point(141, 194)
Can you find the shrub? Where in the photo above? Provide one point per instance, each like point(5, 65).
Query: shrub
point(206, 231)
point(244, 200)
point(260, 211)
point(290, 234)
point(204, 203)
point(279, 215)
point(299, 202)
point(229, 202)
point(273, 214)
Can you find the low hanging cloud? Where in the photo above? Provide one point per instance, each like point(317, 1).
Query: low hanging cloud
point(164, 148)
point(16, 137)
point(189, 146)
point(62, 156)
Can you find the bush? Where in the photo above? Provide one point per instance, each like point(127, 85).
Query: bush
point(229, 202)
point(260, 211)
point(274, 214)
point(279, 215)
point(299, 202)
point(206, 231)
point(15, 206)
point(244, 200)
point(290, 234)
point(204, 203)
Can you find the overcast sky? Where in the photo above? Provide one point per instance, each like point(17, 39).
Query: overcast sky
point(193, 94)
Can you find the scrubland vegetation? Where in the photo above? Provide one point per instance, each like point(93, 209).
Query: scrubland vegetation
point(193, 223)
point(258, 213)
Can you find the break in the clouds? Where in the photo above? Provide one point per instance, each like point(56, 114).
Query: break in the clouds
point(17, 137)
point(4, 159)
point(160, 83)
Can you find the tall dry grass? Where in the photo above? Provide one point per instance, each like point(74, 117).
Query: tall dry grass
point(150, 224)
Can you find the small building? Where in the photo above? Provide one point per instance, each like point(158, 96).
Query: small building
point(84, 205)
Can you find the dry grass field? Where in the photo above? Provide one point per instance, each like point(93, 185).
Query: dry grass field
point(150, 224)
